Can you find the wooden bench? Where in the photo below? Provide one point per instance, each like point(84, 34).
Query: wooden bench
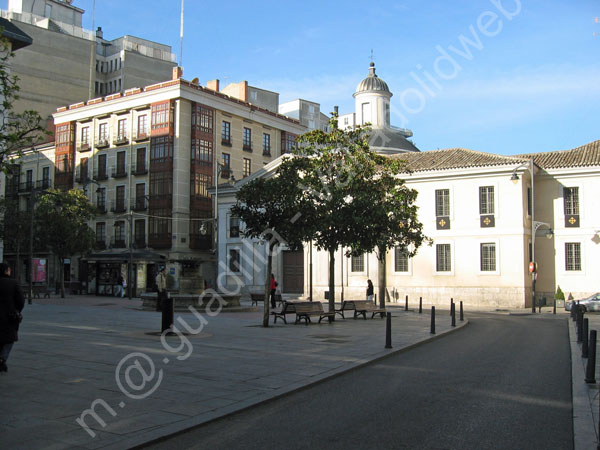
point(256, 297)
point(43, 290)
point(362, 307)
point(347, 305)
point(306, 310)
point(288, 308)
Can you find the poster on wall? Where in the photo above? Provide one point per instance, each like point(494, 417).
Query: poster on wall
point(40, 267)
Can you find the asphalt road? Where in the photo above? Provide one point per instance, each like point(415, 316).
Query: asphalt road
point(503, 382)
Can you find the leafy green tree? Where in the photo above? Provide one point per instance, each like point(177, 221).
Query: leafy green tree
point(65, 229)
point(17, 131)
point(275, 211)
point(360, 202)
point(394, 217)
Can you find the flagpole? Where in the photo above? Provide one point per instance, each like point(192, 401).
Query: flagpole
point(181, 38)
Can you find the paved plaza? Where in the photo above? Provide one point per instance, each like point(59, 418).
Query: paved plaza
point(103, 355)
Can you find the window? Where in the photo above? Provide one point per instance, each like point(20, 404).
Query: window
point(486, 200)
point(266, 144)
point(120, 163)
point(234, 260)
point(101, 167)
point(119, 230)
point(572, 256)
point(288, 141)
point(85, 135)
point(120, 199)
point(45, 177)
point(101, 199)
point(200, 184)
point(234, 227)
point(103, 132)
point(247, 167)
point(202, 151)
point(442, 202)
point(162, 115)
point(64, 135)
point(161, 149)
point(142, 127)
point(62, 163)
point(202, 118)
point(357, 264)
point(101, 232)
point(226, 133)
point(226, 171)
point(140, 232)
point(366, 113)
point(83, 169)
point(571, 200)
point(161, 185)
point(400, 259)
point(247, 140)
point(122, 129)
point(487, 258)
point(443, 261)
point(140, 196)
point(140, 160)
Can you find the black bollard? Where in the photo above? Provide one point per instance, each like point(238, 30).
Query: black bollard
point(451, 303)
point(462, 315)
point(580, 314)
point(167, 314)
point(388, 330)
point(406, 303)
point(590, 370)
point(420, 305)
point(554, 308)
point(432, 320)
point(453, 314)
point(584, 343)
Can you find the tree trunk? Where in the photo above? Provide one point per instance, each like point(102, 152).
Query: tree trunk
point(381, 276)
point(331, 282)
point(61, 269)
point(267, 302)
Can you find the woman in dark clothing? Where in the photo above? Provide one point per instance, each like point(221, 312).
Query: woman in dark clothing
point(11, 305)
point(273, 290)
point(369, 290)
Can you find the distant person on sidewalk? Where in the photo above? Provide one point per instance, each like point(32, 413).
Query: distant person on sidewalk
point(11, 305)
point(120, 285)
point(369, 290)
point(161, 288)
point(273, 290)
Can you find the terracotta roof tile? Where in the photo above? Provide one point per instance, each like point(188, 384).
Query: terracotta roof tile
point(454, 158)
point(584, 156)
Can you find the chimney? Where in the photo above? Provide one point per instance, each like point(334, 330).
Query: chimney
point(99, 33)
point(177, 73)
point(213, 84)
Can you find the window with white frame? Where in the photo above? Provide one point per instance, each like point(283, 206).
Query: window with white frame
point(234, 260)
point(487, 257)
point(234, 227)
point(442, 202)
point(357, 263)
point(400, 259)
point(486, 200)
point(572, 256)
point(85, 135)
point(571, 200)
point(443, 260)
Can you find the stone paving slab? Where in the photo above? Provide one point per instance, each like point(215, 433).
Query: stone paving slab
point(78, 353)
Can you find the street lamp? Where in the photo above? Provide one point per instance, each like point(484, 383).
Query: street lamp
point(534, 225)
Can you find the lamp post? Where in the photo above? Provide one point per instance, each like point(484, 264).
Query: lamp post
point(534, 225)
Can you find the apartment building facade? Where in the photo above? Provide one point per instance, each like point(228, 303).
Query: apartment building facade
point(65, 60)
point(146, 159)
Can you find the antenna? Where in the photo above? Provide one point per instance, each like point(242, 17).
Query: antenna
point(372, 58)
point(181, 38)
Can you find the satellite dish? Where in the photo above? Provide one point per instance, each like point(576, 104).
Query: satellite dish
point(195, 81)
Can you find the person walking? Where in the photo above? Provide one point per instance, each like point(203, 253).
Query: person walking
point(273, 290)
point(120, 284)
point(12, 303)
point(369, 290)
point(166, 303)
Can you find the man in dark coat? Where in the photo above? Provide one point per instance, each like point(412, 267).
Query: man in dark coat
point(11, 305)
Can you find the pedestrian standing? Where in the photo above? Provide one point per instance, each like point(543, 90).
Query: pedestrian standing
point(161, 288)
point(12, 303)
point(273, 290)
point(369, 290)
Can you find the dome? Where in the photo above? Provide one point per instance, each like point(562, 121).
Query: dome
point(372, 83)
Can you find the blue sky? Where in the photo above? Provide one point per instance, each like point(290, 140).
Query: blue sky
point(527, 82)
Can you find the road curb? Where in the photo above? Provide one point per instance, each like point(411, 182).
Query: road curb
point(584, 427)
point(169, 431)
